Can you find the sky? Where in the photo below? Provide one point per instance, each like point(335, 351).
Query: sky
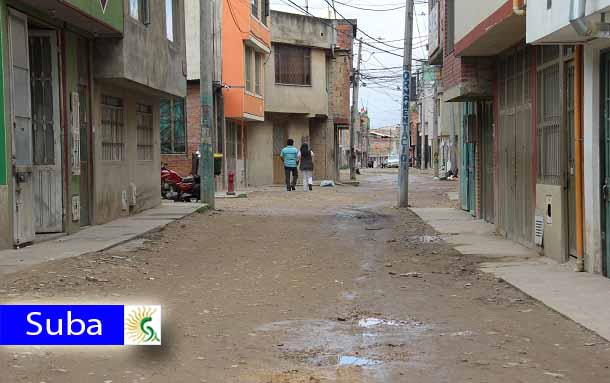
point(382, 100)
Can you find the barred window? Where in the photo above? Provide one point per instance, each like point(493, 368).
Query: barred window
point(549, 116)
point(292, 65)
point(172, 127)
point(144, 118)
point(113, 129)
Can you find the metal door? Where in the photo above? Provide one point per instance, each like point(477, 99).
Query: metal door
point(84, 132)
point(21, 115)
point(464, 199)
point(487, 161)
point(46, 132)
point(516, 177)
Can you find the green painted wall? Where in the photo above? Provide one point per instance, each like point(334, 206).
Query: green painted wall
point(3, 156)
point(112, 16)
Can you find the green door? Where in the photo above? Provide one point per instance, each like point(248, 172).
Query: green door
point(605, 61)
point(468, 169)
point(464, 189)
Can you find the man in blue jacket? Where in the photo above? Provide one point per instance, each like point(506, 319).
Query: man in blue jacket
point(289, 155)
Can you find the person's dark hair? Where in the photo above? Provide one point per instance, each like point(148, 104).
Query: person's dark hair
point(305, 152)
point(290, 142)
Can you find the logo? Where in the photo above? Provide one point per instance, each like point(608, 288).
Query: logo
point(103, 4)
point(143, 325)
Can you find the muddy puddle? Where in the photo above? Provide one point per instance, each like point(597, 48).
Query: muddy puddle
point(364, 342)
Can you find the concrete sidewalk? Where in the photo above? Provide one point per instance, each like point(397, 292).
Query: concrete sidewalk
point(582, 297)
point(95, 238)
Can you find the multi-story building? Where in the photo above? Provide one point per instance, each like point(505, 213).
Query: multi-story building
point(82, 86)
point(383, 143)
point(306, 88)
point(362, 140)
point(241, 51)
point(574, 112)
point(514, 106)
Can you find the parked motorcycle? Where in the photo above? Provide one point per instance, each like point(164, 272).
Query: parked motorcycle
point(177, 188)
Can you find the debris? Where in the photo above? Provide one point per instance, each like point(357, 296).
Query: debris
point(555, 375)
point(94, 279)
point(468, 285)
point(327, 184)
point(388, 265)
point(413, 274)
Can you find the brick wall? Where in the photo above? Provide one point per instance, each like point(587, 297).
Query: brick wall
point(339, 95)
point(182, 162)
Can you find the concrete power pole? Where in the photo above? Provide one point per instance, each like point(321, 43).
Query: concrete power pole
point(355, 117)
point(206, 166)
point(403, 176)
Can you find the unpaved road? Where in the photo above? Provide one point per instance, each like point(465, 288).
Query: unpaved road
point(307, 288)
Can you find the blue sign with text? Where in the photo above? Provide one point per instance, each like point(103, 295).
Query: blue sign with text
point(62, 325)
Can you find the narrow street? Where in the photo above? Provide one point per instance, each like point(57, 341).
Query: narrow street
point(336, 285)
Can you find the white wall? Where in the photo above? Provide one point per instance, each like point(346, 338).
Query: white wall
point(192, 32)
point(470, 13)
point(542, 22)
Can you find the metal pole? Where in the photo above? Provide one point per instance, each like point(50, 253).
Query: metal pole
point(355, 117)
point(403, 176)
point(206, 167)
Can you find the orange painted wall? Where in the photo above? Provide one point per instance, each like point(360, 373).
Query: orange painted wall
point(238, 25)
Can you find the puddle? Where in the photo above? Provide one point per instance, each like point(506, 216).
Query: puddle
point(374, 322)
point(425, 239)
point(346, 360)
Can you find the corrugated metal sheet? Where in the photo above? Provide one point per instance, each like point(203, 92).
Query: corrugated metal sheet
point(516, 192)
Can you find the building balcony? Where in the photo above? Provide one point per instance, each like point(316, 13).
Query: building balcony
point(102, 18)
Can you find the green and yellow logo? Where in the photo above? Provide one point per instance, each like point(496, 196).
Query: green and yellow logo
point(143, 325)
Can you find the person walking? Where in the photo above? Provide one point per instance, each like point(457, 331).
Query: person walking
point(289, 154)
point(305, 157)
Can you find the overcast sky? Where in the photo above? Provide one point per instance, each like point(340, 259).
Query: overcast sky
point(382, 101)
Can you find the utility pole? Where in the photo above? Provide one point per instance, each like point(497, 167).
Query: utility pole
point(206, 166)
point(403, 175)
point(355, 117)
point(435, 143)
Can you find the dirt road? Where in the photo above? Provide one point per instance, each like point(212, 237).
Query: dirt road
point(331, 286)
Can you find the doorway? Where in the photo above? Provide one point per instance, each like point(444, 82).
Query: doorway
point(85, 132)
point(34, 81)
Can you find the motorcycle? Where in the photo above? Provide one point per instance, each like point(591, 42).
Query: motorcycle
point(177, 188)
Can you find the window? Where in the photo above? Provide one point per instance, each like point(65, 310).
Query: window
point(171, 19)
point(172, 126)
point(549, 115)
point(113, 129)
point(255, 8)
point(265, 12)
point(144, 119)
point(450, 26)
point(139, 10)
point(258, 67)
point(249, 58)
point(292, 65)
